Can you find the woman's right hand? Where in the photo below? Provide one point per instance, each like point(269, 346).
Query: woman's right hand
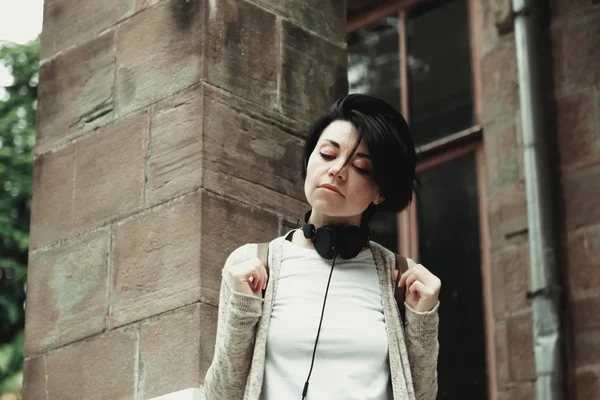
point(249, 277)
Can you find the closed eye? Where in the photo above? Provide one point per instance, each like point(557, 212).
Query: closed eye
point(326, 156)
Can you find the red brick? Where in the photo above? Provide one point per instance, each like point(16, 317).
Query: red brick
point(500, 80)
point(502, 359)
point(231, 225)
point(585, 314)
point(243, 51)
point(313, 73)
point(523, 391)
point(34, 379)
point(583, 258)
point(559, 63)
point(520, 339)
point(578, 134)
point(564, 8)
point(208, 335)
point(75, 94)
point(109, 172)
point(514, 261)
point(582, 40)
point(170, 353)
point(67, 23)
point(156, 261)
point(508, 217)
point(159, 52)
point(325, 17)
point(587, 348)
point(175, 155)
point(67, 292)
point(587, 384)
point(52, 200)
point(98, 369)
point(581, 197)
point(250, 159)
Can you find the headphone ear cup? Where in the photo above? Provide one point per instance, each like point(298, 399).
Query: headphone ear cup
point(308, 230)
point(324, 241)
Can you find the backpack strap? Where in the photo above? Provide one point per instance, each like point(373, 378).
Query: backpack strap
point(400, 293)
point(262, 252)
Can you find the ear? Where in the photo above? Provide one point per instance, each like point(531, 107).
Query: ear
point(378, 200)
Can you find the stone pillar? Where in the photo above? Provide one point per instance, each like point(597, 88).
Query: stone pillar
point(169, 134)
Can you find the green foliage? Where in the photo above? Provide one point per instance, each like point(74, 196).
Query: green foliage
point(17, 138)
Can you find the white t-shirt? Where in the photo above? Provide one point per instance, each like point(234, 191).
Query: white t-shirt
point(351, 361)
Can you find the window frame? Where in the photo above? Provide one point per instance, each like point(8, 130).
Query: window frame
point(440, 151)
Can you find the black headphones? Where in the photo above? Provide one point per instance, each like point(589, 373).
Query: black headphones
point(330, 240)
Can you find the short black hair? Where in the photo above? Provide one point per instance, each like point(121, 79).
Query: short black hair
point(390, 145)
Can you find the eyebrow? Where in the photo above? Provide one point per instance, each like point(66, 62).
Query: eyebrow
point(337, 145)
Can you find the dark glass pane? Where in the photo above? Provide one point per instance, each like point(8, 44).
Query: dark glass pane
point(374, 61)
point(448, 217)
point(374, 68)
point(439, 69)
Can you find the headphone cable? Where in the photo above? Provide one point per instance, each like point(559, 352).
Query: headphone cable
point(312, 363)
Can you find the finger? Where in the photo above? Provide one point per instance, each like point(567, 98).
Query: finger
point(410, 280)
point(265, 277)
point(395, 274)
point(418, 286)
point(406, 276)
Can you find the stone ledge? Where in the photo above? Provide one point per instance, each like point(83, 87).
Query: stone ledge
point(186, 394)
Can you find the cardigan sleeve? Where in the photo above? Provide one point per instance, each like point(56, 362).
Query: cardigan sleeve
point(238, 315)
point(421, 335)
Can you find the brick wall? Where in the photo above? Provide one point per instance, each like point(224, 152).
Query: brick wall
point(572, 76)
point(169, 133)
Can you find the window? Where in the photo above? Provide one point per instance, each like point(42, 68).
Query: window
point(417, 55)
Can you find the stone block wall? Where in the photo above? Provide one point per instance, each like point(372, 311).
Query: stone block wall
point(572, 78)
point(169, 133)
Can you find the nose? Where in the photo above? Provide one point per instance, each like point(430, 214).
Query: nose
point(339, 169)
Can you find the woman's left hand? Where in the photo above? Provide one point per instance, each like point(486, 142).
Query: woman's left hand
point(422, 288)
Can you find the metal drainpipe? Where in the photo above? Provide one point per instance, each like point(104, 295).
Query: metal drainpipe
point(545, 289)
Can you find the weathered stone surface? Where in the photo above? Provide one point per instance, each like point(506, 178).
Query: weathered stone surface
point(583, 257)
point(208, 335)
point(109, 172)
point(520, 339)
point(504, 155)
point(498, 289)
point(98, 369)
point(170, 353)
point(67, 23)
point(313, 73)
point(587, 384)
point(324, 17)
point(159, 52)
point(175, 153)
point(142, 4)
point(52, 200)
point(243, 50)
point(578, 132)
point(581, 198)
point(581, 43)
point(522, 391)
point(34, 378)
point(75, 93)
point(508, 217)
point(585, 313)
point(250, 159)
point(587, 348)
point(67, 292)
point(231, 225)
point(502, 358)
point(156, 261)
point(514, 261)
point(500, 81)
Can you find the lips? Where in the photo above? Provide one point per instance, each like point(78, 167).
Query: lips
point(332, 188)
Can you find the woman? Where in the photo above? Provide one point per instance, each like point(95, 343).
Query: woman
point(328, 326)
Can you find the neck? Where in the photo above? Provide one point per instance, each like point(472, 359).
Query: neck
point(319, 219)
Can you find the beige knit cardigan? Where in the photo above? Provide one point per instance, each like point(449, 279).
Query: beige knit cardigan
point(237, 368)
